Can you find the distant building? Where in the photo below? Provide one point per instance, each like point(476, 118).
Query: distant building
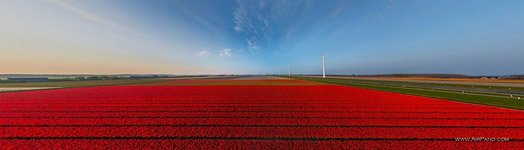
point(28, 79)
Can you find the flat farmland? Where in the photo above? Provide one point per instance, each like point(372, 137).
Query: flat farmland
point(255, 113)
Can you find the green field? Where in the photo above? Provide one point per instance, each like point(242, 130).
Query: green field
point(468, 93)
point(69, 84)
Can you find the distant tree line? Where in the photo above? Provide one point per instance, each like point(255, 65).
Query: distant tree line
point(514, 77)
point(86, 78)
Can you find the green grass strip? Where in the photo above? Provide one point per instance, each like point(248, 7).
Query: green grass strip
point(454, 96)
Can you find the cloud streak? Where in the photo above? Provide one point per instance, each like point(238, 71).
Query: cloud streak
point(90, 16)
point(203, 53)
point(252, 22)
point(239, 17)
point(226, 52)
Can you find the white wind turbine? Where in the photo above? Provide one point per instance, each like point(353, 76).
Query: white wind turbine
point(289, 70)
point(323, 66)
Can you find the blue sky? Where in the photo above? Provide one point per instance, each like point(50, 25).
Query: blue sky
point(475, 37)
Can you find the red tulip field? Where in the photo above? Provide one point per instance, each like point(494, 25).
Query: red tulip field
point(248, 114)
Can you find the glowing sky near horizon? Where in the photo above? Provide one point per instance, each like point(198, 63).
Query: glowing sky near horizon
point(474, 37)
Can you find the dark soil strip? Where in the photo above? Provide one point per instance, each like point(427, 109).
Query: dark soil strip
point(342, 118)
point(236, 138)
point(319, 111)
point(258, 126)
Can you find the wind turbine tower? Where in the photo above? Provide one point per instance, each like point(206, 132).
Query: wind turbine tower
point(323, 66)
point(289, 70)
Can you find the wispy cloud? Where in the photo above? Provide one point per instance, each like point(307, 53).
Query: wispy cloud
point(252, 22)
point(226, 52)
point(339, 9)
point(382, 13)
point(252, 43)
point(90, 16)
point(202, 17)
point(203, 53)
point(239, 16)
